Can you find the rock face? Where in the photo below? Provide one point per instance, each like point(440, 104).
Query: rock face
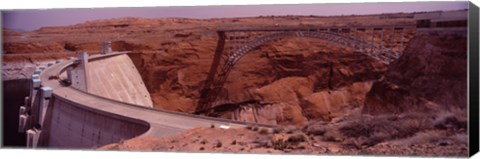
point(327, 105)
point(291, 101)
point(431, 75)
point(21, 66)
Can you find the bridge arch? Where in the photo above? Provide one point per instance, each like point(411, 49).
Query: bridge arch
point(377, 51)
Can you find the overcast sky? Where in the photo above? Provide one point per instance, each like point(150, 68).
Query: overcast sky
point(26, 20)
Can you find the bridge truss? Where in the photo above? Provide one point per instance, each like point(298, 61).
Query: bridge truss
point(384, 43)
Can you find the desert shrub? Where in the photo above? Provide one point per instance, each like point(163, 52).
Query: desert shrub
point(460, 138)
point(234, 142)
point(292, 140)
point(290, 129)
point(333, 136)
point(301, 147)
point(204, 141)
point(263, 131)
point(351, 143)
point(219, 144)
point(418, 138)
point(449, 121)
point(263, 141)
point(329, 138)
point(252, 127)
point(279, 144)
point(315, 130)
point(357, 129)
point(277, 130)
point(241, 143)
point(297, 138)
point(380, 128)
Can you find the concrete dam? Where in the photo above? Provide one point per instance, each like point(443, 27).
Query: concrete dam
point(91, 101)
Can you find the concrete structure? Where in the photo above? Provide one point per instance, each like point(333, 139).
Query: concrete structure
point(78, 73)
point(45, 96)
point(33, 138)
point(35, 76)
point(37, 71)
point(107, 47)
point(67, 117)
point(442, 19)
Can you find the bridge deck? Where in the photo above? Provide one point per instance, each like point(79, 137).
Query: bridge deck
point(287, 28)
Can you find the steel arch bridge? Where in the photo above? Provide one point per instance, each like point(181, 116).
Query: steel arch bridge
point(233, 44)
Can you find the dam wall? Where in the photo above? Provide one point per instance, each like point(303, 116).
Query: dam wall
point(56, 120)
point(72, 125)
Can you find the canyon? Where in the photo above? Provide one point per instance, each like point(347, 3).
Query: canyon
point(300, 85)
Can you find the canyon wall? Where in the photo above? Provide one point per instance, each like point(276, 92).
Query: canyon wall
point(431, 75)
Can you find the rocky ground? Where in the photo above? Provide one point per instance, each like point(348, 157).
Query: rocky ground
point(409, 134)
point(323, 98)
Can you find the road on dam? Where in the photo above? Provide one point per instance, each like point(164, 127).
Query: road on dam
point(155, 122)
